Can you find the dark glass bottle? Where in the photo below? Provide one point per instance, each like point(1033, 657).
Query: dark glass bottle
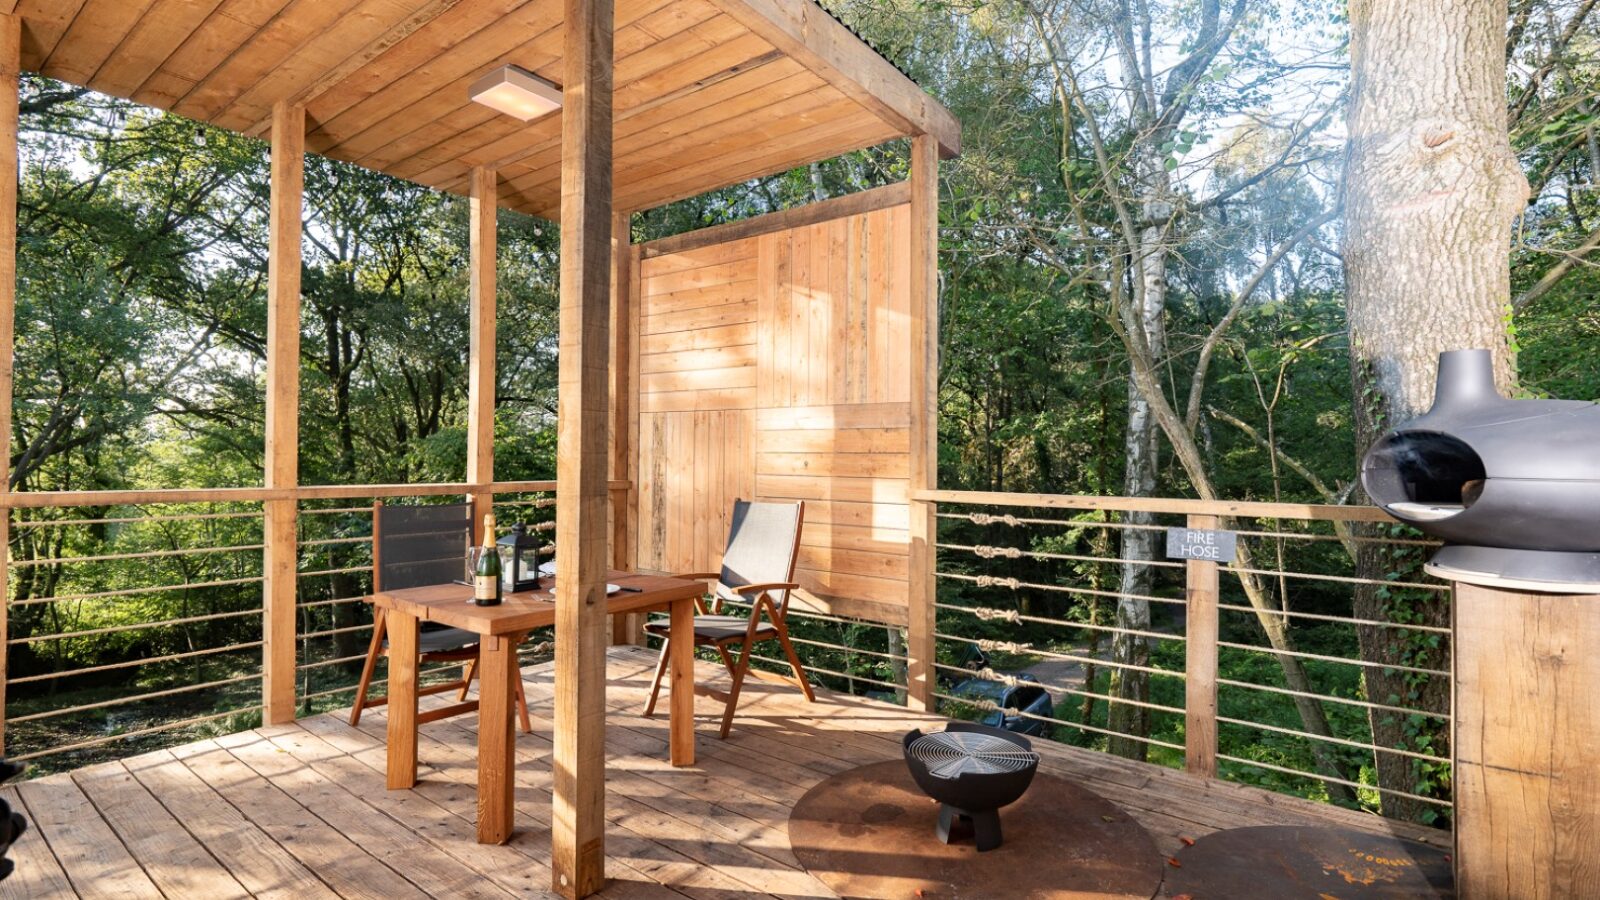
point(486, 575)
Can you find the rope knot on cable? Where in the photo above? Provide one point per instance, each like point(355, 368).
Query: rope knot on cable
point(990, 615)
point(991, 552)
point(979, 518)
point(996, 581)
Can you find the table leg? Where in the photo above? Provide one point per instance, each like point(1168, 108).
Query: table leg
point(402, 701)
point(680, 650)
point(496, 781)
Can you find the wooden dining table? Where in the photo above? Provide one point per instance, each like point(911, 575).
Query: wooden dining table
point(501, 629)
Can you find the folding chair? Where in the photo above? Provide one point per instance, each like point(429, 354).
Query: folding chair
point(763, 544)
point(416, 546)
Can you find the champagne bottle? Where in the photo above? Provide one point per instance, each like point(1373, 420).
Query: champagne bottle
point(486, 575)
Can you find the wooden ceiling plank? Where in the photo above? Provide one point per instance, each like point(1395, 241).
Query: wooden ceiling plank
point(94, 34)
point(736, 146)
point(446, 110)
point(43, 24)
point(153, 39)
point(439, 112)
point(665, 133)
point(671, 19)
point(223, 32)
point(446, 34)
point(353, 63)
point(746, 92)
point(299, 23)
point(866, 130)
point(639, 76)
point(403, 99)
point(407, 158)
point(659, 150)
point(806, 32)
point(731, 82)
point(328, 51)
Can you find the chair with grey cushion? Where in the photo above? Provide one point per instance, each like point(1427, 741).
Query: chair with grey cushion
point(418, 546)
point(758, 569)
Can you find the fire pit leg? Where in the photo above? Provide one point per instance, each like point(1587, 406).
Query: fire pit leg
point(955, 823)
point(986, 829)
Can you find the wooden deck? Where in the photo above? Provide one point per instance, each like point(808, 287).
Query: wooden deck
point(301, 811)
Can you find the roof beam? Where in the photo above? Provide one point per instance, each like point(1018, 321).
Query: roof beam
point(805, 32)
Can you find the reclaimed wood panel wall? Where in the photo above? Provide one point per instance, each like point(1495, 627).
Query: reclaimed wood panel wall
point(775, 366)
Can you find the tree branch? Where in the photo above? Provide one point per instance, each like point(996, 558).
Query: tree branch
point(1209, 347)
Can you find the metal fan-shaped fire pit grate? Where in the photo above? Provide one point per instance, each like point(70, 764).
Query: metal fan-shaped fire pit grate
point(951, 754)
point(973, 771)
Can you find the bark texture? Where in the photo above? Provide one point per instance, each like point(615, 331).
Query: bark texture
point(1431, 189)
point(1142, 446)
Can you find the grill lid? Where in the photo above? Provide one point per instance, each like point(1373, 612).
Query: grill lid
point(1523, 439)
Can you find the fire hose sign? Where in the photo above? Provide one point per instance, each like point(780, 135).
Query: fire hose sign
point(1203, 544)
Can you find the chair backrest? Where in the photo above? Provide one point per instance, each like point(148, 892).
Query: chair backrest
point(763, 544)
point(418, 546)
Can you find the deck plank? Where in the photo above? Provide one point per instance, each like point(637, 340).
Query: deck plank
point(96, 863)
point(178, 864)
point(342, 863)
point(301, 810)
point(37, 872)
point(397, 844)
point(512, 871)
point(251, 855)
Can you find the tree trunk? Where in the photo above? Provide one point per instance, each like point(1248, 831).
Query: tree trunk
point(1431, 188)
point(1142, 446)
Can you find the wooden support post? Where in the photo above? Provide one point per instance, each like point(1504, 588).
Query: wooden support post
point(922, 592)
point(578, 809)
point(497, 764)
point(283, 412)
point(627, 628)
point(483, 245)
point(401, 701)
point(10, 71)
point(1526, 743)
point(1200, 681)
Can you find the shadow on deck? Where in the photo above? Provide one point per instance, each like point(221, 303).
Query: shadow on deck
point(301, 811)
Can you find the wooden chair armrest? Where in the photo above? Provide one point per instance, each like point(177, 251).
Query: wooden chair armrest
point(769, 586)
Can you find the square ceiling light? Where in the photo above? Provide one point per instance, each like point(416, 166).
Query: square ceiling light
point(516, 92)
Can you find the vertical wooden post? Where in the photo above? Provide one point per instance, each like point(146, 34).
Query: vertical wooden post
point(922, 591)
point(625, 629)
point(578, 809)
point(283, 411)
point(483, 246)
point(1526, 743)
point(10, 71)
point(1200, 666)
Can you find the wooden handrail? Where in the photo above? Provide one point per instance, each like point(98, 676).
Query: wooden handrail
point(1172, 505)
point(57, 499)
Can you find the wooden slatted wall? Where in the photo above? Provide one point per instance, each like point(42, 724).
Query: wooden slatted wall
point(774, 365)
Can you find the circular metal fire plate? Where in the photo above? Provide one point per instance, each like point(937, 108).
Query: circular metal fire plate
point(1291, 862)
point(869, 832)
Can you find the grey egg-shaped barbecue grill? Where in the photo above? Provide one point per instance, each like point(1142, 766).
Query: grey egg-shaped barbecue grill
point(1511, 486)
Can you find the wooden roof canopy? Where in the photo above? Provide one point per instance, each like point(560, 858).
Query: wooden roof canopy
point(707, 92)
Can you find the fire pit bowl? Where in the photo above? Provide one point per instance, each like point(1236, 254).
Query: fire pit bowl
point(973, 771)
point(1511, 486)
